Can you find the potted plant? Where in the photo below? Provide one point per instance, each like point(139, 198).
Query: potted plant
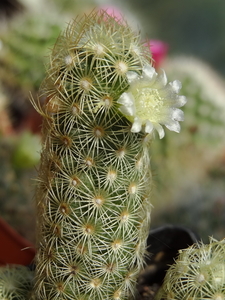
point(103, 104)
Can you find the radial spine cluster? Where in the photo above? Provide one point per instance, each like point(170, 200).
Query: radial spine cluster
point(94, 183)
point(197, 274)
point(16, 282)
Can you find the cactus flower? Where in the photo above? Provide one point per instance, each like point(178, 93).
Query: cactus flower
point(151, 102)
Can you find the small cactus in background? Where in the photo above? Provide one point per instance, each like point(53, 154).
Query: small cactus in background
point(198, 273)
point(205, 109)
point(15, 282)
point(24, 49)
point(19, 156)
point(202, 140)
point(103, 103)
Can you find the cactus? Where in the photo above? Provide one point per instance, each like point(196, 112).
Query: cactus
point(15, 282)
point(103, 103)
point(198, 273)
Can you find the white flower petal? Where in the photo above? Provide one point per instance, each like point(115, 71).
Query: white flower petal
point(177, 114)
point(148, 72)
point(149, 126)
point(160, 130)
point(126, 99)
point(163, 78)
point(176, 85)
point(181, 101)
point(136, 127)
point(174, 126)
point(132, 76)
point(127, 110)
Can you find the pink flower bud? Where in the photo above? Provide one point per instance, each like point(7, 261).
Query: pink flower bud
point(159, 51)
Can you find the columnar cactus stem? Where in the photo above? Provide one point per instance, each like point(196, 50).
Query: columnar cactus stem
point(93, 195)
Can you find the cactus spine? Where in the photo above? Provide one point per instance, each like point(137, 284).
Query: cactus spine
point(102, 101)
point(94, 179)
point(198, 273)
point(15, 282)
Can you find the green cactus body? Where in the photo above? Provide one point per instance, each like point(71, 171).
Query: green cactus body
point(93, 195)
point(197, 274)
point(15, 282)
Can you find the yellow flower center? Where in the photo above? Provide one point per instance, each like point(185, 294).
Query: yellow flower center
point(148, 103)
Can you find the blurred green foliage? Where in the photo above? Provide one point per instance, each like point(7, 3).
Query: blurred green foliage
point(17, 182)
